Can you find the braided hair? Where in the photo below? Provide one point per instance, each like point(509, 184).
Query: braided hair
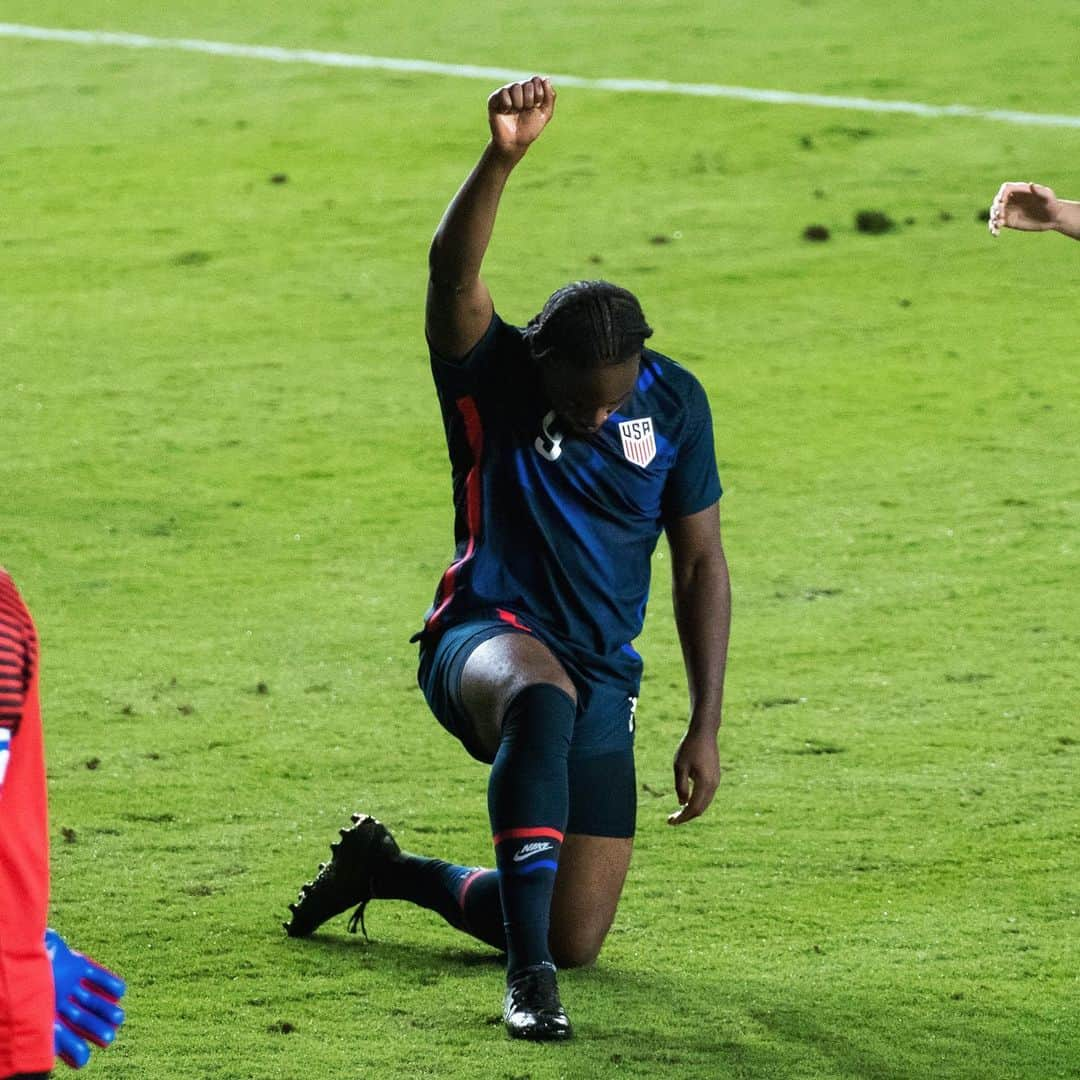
point(588, 325)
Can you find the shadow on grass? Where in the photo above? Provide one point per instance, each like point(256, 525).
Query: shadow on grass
point(693, 1023)
point(404, 957)
point(640, 1023)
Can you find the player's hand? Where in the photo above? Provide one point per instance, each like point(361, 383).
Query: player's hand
point(1029, 207)
point(697, 776)
point(518, 112)
point(86, 1002)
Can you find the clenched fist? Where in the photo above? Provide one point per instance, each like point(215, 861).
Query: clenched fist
point(518, 112)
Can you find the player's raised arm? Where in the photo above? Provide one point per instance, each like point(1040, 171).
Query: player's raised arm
point(459, 305)
point(1033, 208)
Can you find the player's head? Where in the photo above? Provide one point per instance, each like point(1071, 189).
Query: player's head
point(587, 346)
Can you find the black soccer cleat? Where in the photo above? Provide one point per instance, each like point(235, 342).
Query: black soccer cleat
point(532, 1009)
point(345, 880)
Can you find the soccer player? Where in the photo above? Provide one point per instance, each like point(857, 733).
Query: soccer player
point(572, 447)
point(1033, 208)
point(52, 1000)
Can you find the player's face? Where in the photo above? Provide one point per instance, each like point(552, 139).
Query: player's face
point(583, 400)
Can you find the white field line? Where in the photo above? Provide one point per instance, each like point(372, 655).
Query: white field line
point(498, 75)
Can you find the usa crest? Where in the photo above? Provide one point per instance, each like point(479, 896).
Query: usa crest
point(638, 440)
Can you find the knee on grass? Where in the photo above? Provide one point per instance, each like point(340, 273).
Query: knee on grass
point(578, 947)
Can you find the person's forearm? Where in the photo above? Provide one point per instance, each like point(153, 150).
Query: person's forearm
point(462, 237)
point(1067, 219)
point(702, 601)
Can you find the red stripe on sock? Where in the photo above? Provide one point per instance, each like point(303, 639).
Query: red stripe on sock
point(522, 834)
point(465, 887)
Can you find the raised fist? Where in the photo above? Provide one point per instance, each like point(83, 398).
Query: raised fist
point(519, 111)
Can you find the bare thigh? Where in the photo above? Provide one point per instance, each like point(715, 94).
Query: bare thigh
point(496, 671)
point(588, 885)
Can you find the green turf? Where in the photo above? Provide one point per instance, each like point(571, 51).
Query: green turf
point(226, 499)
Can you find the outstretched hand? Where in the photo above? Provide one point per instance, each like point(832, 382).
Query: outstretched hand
point(697, 776)
point(86, 1002)
point(518, 112)
point(1025, 206)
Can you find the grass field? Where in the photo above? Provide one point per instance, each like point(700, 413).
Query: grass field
point(226, 500)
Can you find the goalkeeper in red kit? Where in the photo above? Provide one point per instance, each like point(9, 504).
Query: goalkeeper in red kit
point(53, 1000)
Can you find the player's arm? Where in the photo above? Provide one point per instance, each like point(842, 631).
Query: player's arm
point(1033, 208)
point(459, 306)
point(702, 595)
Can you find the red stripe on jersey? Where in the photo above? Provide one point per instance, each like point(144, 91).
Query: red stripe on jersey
point(474, 435)
point(526, 834)
point(513, 620)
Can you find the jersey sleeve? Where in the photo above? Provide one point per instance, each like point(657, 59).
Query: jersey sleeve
point(458, 377)
point(487, 376)
point(694, 482)
point(15, 659)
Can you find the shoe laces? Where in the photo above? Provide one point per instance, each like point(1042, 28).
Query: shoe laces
point(536, 987)
point(357, 919)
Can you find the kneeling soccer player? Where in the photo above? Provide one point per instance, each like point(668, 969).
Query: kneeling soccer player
point(572, 447)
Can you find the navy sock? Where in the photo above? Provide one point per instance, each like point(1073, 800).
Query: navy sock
point(467, 897)
point(528, 801)
point(481, 907)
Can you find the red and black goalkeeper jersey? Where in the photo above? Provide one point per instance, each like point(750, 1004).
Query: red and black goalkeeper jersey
point(26, 988)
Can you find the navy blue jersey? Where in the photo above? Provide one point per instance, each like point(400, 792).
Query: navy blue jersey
point(556, 533)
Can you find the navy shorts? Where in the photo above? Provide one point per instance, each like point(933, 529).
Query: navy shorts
point(603, 788)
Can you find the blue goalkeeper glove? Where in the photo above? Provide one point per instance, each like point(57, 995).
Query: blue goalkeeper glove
point(86, 1002)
